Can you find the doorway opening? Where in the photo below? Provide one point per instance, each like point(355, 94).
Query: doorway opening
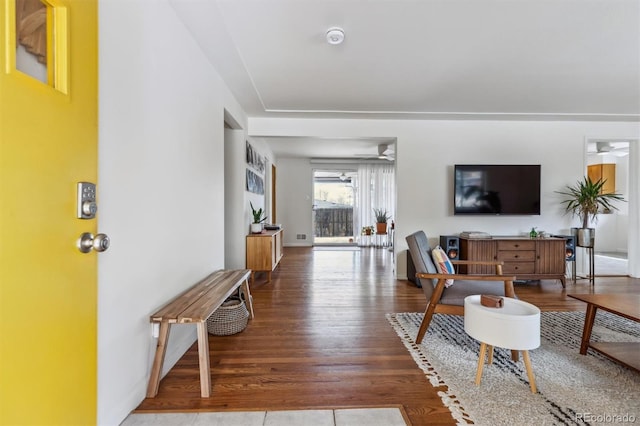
point(333, 205)
point(608, 159)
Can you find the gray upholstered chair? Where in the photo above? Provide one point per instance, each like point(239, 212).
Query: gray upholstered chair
point(451, 300)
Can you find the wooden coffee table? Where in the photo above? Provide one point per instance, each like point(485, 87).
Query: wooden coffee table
point(624, 305)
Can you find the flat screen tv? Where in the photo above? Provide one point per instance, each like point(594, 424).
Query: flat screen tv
point(497, 189)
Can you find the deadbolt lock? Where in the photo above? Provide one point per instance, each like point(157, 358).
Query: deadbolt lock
point(87, 206)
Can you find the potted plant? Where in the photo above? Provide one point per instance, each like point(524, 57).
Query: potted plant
point(382, 217)
point(367, 230)
point(259, 216)
point(585, 200)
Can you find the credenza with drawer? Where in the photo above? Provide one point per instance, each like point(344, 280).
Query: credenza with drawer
point(526, 258)
point(264, 252)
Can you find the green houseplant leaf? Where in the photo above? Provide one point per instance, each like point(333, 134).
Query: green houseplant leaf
point(258, 215)
point(382, 216)
point(585, 200)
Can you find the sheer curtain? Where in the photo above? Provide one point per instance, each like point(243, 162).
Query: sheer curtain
point(374, 187)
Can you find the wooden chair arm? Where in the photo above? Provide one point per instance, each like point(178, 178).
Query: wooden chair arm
point(437, 293)
point(467, 277)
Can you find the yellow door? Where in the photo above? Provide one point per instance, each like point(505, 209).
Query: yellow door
point(48, 289)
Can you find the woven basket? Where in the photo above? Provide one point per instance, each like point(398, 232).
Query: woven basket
point(230, 318)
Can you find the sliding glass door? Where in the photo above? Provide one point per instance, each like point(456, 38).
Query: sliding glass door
point(333, 207)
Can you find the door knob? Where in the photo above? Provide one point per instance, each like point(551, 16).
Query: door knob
point(88, 242)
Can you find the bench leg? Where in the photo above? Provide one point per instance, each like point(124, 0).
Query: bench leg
point(203, 358)
point(247, 297)
point(158, 360)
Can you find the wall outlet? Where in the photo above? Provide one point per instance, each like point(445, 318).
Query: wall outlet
point(301, 236)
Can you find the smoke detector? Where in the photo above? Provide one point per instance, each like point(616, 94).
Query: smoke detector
point(335, 35)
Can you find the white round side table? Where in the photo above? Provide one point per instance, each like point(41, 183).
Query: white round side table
point(515, 326)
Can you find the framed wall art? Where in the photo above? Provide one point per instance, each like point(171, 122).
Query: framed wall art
point(254, 159)
point(255, 183)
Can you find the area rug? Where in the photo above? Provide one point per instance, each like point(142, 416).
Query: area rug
point(573, 389)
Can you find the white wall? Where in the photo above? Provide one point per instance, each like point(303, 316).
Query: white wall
point(234, 199)
point(295, 187)
point(425, 154)
point(238, 215)
point(622, 215)
point(294, 190)
point(257, 200)
point(160, 189)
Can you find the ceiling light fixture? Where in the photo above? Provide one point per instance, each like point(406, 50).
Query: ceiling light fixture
point(335, 35)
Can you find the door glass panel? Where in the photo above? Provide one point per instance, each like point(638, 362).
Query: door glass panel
point(32, 38)
point(333, 207)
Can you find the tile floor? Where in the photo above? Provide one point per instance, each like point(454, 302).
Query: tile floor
point(341, 417)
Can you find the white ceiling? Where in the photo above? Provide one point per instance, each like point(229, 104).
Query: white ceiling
point(425, 59)
point(319, 148)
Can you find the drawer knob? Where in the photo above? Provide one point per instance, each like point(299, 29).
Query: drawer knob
point(516, 256)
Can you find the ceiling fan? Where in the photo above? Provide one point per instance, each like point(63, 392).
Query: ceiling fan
point(385, 152)
point(618, 149)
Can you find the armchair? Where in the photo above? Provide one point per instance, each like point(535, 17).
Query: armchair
point(450, 300)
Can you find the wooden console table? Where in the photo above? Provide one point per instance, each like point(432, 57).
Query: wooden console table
point(264, 252)
point(526, 258)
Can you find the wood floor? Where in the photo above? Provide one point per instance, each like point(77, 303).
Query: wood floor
point(320, 339)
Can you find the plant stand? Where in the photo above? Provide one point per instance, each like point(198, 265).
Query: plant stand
point(590, 257)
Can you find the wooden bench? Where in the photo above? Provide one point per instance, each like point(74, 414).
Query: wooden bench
point(195, 305)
